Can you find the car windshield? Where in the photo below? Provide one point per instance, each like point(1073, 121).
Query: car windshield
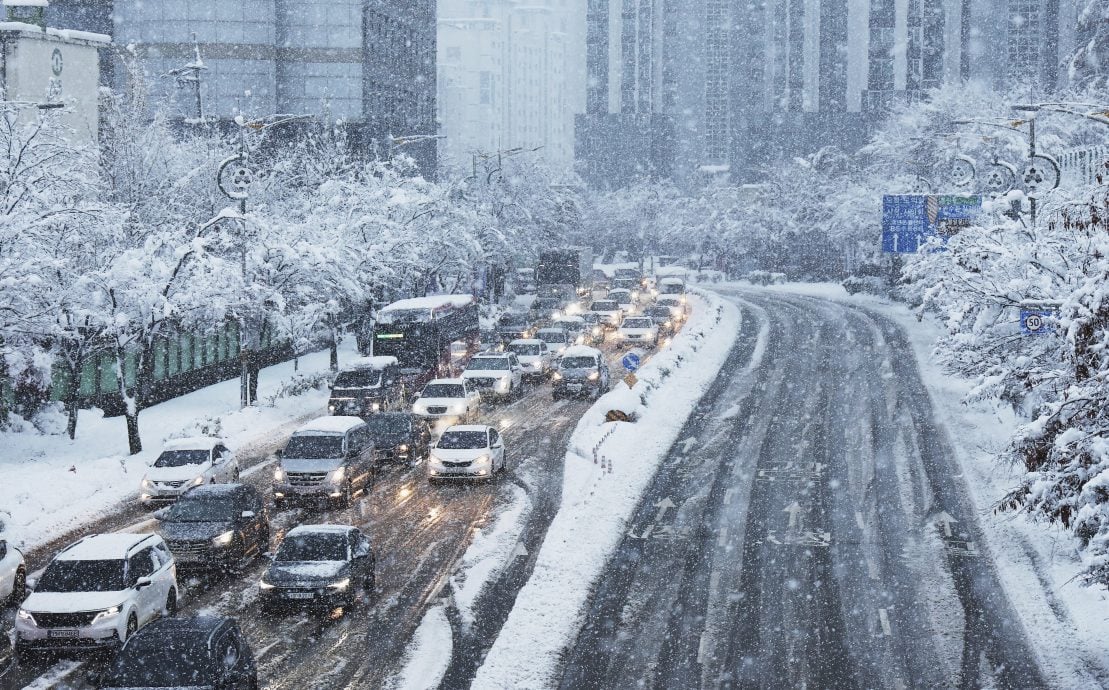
point(626, 273)
point(513, 320)
point(552, 337)
point(619, 296)
point(359, 378)
point(490, 364)
point(578, 362)
point(388, 425)
point(83, 576)
point(180, 458)
point(638, 323)
point(659, 312)
point(545, 303)
point(315, 447)
point(591, 318)
point(313, 547)
point(202, 509)
point(153, 661)
point(443, 390)
point(604, 306)
point(525, 349)
point(459, 440)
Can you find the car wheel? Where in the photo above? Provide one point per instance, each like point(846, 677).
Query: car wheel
point(235, 475)
point(171, 604)
point(19, 587)
point(132, 627)
point(348, 494)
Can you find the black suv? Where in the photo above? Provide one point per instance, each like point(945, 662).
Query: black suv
point(323, 565)
point(399, 436)
point(205, 651)
point(370, 385)
point(513, 326)
point(216, 526)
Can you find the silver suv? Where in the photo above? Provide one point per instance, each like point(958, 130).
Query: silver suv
point(96, 593)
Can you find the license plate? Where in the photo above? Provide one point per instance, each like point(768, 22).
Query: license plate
point(576, 387)
point(299, 595)
point(65, 633)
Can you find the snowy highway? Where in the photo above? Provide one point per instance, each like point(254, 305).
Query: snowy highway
point(811, 529)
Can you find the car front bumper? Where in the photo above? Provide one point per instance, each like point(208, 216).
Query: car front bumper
point(104, 636)
point(576, 387)
point(474, 470)
point(320, 492)
point(295, 597)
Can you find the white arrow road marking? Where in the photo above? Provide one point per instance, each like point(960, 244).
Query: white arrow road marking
point(688, 443)
point(884, 619)
point(663, 506)
point(520, 550)
point(859, 520)
point(723, 540)
point(945, 520)
point(794, 509)
point(728, 496)
point(702, 647)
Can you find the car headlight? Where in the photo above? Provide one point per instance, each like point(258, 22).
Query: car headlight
point(683, 300)
point(264, 586)
point(483, 459)
point(556, 376)
point(594, 375)
point(458, 408)
point(147, 484)
point(278, 474)
point(596, 330)
point(403, 447)
point(331, 409)
point(340, 585)
point(556, 314)
point(198, 481)
point(106, 614)
point(376, 407)
point(667, 324)
point(336, 475)
point(435, 458)
point(25, 616)
point(635, 295)
point(224, 539)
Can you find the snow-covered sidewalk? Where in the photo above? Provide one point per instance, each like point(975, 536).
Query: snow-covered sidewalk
point(1067, 622)
point(608, 466)
point(52, 485)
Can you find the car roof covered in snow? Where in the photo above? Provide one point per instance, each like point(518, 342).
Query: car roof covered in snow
point(552, 330)
point(620, 291)
point(581, 351)
point(429, 302)
point(102, 547)
point(458, 382)
point(338, 424)
point(467, 427)
point(672, 280)
point(192, 443)
point(318, 529)
point(526, 341)
point(378, 362)
point(570, 319)
point(214, 490)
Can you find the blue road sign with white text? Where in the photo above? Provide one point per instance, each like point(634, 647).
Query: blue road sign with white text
point(908, 220)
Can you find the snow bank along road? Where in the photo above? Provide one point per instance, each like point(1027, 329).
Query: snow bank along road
point(418, 531)
point(821, 536)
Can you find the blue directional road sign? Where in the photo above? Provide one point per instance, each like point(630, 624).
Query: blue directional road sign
point(909, 219)
point(631, 362)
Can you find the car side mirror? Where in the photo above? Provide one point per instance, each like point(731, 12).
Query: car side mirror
point(161, 513)
point(279, 453)
point(143, 583)
point(247, 514)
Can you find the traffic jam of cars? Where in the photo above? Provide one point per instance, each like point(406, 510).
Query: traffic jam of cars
point(425, 400)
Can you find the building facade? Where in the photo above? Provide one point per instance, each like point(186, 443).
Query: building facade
point(368, 63)
point(701, 88)
point(511, 75)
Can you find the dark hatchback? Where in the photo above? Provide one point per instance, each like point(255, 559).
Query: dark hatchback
point(319, 565)
point(216, 527)
point(200, 652)
point(399, 436)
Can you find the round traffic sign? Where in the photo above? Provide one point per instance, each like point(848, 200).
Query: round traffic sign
point(631, 361)
point(1033, 322)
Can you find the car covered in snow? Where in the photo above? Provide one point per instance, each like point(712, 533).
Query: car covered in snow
point(513, 325)
point(367, 385)
point(329, 459)
point(467, 452)
point(581, 371)
point(319, 565)
point(574, 325)
point(201, 651)
point(595, 324)
point(610, 310)
point(96, 593)
point(663, 317)
point(676, 305)
point(13, 569)
point(185, 463)
point(217, 527)
point(637, 330)
point(536, 358)
point(495, 374)
point(447, 399)
point(399, 436)
point(627, 299)
point(557, 339)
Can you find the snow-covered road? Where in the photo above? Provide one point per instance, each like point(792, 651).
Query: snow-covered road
point(820, 534)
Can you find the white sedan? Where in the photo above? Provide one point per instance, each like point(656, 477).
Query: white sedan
point(467, 452)
point(638, 330)
point(13, 571)
point(447, 399)
point(185, 463)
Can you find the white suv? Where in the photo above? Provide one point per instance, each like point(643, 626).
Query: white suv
point(495, 374)
point(13, 571)
point(96, 593)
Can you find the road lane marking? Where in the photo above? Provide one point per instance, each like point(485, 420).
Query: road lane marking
point(859, 520)
point(255, 469)
point(944, 520)
point(723, 540)
point(794, 509)
point(702, 647)
point(663, 505)
point(884, 619)
point(728, 496)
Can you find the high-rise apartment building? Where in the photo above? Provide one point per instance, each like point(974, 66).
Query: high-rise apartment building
point(370, 63)
point(511, 75)
point(688, 88)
